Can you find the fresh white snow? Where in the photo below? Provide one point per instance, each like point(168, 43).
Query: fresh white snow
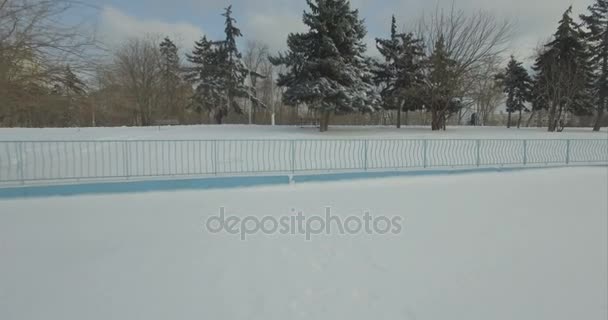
point(290, 132)
point(520, 245)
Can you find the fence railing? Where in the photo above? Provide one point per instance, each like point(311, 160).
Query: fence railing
point(31, 161)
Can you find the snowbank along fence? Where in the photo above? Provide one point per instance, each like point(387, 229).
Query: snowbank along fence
point(48, 161)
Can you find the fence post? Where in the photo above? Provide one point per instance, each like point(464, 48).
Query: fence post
point(525, 152)
point(366, 154)
point(293, 156)
point(126, 159)
point(478, 147)
point(425, 152)
point(20, 161)
point(568, 151)
point(215, 157)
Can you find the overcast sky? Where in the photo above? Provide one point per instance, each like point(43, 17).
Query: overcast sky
point(271, 20)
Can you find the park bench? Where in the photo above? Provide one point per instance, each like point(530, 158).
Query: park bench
point(166, 122)
point(308, 121)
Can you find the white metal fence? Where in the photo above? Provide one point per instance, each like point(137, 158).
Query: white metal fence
point(32, 161)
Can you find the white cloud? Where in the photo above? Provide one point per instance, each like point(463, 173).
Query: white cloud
point(117, 26)
point(534, 21)
point(270, 21)
point(273, 28)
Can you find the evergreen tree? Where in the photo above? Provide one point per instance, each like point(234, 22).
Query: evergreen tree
point(219, 73)
point(517, 85)
point(440, 86)
point(564, 73)
point(401, 71)
point(325, 66)
point(68, 84)
point(596, 22)
point(233, 70)
point(72, 89)
point(170, 73)
point(205, 75)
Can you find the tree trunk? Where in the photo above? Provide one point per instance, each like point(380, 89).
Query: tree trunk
point(228, 107)
point(399, 117)
point(399, 112)
point(509, 120)
point(519, 120)
point(250, 111)
point(558, 123)
point(600, 116)
point(602, 106)
point(530, 118)
point(219, 117)
point(143, 121)
point(324, 123)
point(406, 117)
point(436, 123)
point(552, 121)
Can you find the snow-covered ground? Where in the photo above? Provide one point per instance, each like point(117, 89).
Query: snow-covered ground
point(520, 245)
point(291, 132)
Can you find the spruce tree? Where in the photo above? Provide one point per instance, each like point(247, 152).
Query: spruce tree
point(219, 73)
point(326, 68)
point(596, 22)
point(72, 89)
point(209, 90)
point(440, 86)
point(564, 73)
point(170, 73)
point(233, 70)
point(401, 71)
point(517, 85)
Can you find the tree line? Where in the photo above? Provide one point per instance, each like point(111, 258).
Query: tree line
point(449, 64)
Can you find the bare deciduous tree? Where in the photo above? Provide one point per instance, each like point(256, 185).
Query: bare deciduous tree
point(486, 93)
point(36, 44)
point(137, 68)
point(471, 41)
point(256, 55)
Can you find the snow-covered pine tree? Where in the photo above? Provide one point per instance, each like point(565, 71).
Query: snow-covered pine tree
point(205, 75)
point(326, 68)
point(517, 85)
point(596, 22)
point(564, 73)
point(233, 70)
point(170, 74)
point(385, 72)
point(219, 73)
point(401, 71)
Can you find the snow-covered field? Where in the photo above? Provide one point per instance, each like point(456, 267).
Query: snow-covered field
point(520, 245)
point(291, 132)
